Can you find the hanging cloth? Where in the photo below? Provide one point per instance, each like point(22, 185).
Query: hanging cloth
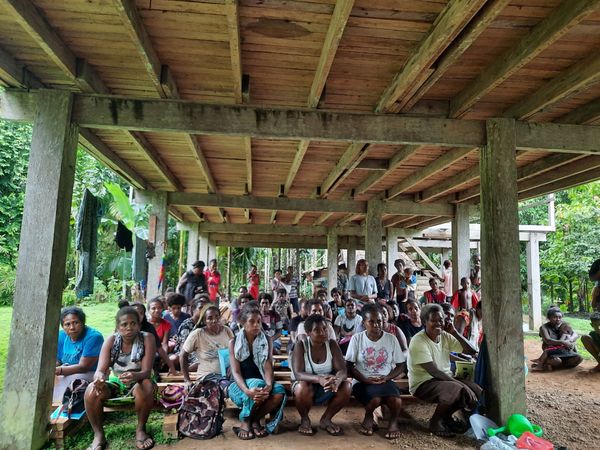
point(124, 237)
point(86, 241)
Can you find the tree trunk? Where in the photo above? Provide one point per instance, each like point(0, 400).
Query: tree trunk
point(571, 305)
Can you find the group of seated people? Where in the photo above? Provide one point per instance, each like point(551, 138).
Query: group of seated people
point(339, 348)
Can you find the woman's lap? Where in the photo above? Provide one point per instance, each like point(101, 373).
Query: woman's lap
point(364, 393)
point(446, 392)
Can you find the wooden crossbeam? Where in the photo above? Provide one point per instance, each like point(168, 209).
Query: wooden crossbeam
point(351, 156)
point(268, 229)
point(202, 163)
point(273, 218)
point(235, 51)
point(575, 78)
point(298, 158)
point(561, 20)
point(424, 256)
point(15, 74)
point(431, 223)
point(142, 144)
point(486, 15)
point(401, 156)
point(248, 158)
point(298, 217)
point(562, 184)
point(588, 113)
point(568, 170)
point(448, 24)
point(449, 184)
point(429, 170)
point(35, 24)
point(394, 221)
point(322, 218)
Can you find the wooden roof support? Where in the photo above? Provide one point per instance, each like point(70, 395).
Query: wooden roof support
point(142, 144)
point(564, 183)
point(432, 168)
point(401, 156)
point(449, 184)
point(446, 27)
point(248, 157)
point(568, 170)
point(300, 230)
point(298, 158)
point(298, 217)
point(176, 214)
point(431, 223)
point(15, 74)
point(486, 15)
point(424, 256)
point(575, 78)
point(36, 25)
point(235, 51)
point(588, 113)
point(323, 218)
point(561, 20)
point(351, 157)
point(273, 218)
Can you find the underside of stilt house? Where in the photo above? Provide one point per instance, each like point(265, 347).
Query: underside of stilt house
point(317, 122)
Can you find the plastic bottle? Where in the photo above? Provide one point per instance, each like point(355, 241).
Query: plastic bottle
point(495, 443)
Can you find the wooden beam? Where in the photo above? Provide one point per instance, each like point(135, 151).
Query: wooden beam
point(588, 113)
point(575, 78)
point(235, 51)
point(167, 83)
point(373, 164)
point(273, 218)
point(561, 184)
point(322, 218)
point(176, 214)
point(449, 158)
point(298, 217)
point(558, 137)
point(545, 164)
point(446, 27)
point(401, 156)
point(449, 184)
point(394, 221)
point(340, 15)
point(15, 74)
point(300, 230)
point(202, 163)
point(578, 166)
point(424, 256)
point(486, 15)
point(432, 223)
point(248, 157)
point(240, 120)
point(298, 158)
point(38, 28)
point(132, 23)
point(561, 20)
point(94, 145)
point(142, 144)
point(351, 156)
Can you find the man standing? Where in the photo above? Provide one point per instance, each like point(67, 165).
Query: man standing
point(292, 281)
point(476, 273)
point(396, 279)
point(192, 282)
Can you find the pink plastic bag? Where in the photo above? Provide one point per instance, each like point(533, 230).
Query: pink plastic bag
point(531, 442)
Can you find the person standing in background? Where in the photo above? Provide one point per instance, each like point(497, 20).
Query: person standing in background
point(292, 281)
point(213, 280)
point(253, 282)
point(447, 280)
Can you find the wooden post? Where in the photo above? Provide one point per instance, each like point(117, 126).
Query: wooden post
point(373, 234)
point(229, 273)
point(160, 215)
point(332, 260)
point(180, 259)
point(534, 289)
point(351, 255)
point(192, 249)
point(500, 253)
point(40, 275)
point(203, 253)
point(392, 247)
point(460, 244)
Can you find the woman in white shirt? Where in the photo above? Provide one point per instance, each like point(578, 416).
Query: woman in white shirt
point(374, 360)
point(362, 286)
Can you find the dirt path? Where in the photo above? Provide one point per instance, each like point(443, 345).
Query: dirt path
point(549, 394)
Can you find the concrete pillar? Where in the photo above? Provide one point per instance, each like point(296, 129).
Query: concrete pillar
point(392, 236)
point(534, 288)
point(460, 244)
point(158, 233)
point(445, 256)
point(373, 234)
point(203, 252)
point(212, 250)
point(40, 275)
point(500, 253)
point(351, 263)
point(193, 243)
point(332, 261)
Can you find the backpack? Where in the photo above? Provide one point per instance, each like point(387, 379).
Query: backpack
point(201, 413)
point(73, 398)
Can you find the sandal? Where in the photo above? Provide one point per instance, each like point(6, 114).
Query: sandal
point(259, 431)
point(144, 444)
point(443, 432)
point(100, 446)
point(331, 429)
point(392, 434)
point(244, 435)
point(456, 426)
point(306, 431)
point(365, 431)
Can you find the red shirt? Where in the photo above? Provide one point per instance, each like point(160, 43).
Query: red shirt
point(213, 279)
point(162, 328)
point(440, 297)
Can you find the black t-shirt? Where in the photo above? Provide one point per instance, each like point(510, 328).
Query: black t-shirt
point(407, 327)
point(295, 322)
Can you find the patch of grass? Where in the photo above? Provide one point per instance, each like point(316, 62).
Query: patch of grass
point(5, 318)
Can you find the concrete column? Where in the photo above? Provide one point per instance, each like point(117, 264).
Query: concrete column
point(445, 256)
point(534, 288)
point(203, 252)
point(500, 253)
point(392, 236)
point(40, 274)
point(351, 255)
point(373, 234)
point(159, 221)
point(193, 243)
point(460, 244)
point(212, 250)
point(332, 261)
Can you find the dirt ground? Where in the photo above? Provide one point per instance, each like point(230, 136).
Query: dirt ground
point(565, 403)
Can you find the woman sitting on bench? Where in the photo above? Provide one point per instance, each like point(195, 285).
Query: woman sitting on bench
point(253, 389)
point(375, 359)
point(129, 354)
point(320, 372)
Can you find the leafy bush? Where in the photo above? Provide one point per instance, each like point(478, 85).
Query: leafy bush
point(7, 285)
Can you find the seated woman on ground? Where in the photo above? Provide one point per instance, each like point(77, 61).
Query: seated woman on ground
point(253, 389)
point(315, 307)
point(410, 323)
point(175, 316)
point(591, 342)
point(128, 354)
point(374, 360)
point(204, 342)
point(78, 351)
point(429, 376)
point(321, 377)
point(347, 324)
point(272, 323)
point(558, 343)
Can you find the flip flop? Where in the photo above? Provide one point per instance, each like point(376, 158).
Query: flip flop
point(392, 435)
point(444, 433)
point(456, 426)
point(365, 431)
point(244, 435)
point(143, 444)
point(260, 432)
point(306, 431)
point(100, 446)
point(332, 431)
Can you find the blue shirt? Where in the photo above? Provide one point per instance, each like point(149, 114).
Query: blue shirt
point(175, 323)
point(88, 346)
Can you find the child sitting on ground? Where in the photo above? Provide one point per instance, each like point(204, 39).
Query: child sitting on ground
point(566, 334)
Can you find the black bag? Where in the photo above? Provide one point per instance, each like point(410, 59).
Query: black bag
point(201, 413)
point(73, 398)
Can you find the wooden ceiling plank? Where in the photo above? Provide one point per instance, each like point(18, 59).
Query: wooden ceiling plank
point(16, 74)
point(448, 24)
point(298, 158)
point(564, 171)
point(235, 51)
point(575, 78)
point(142, 144)
point(486, 15)
point(562, 184)
point(588, 113)
point(430, 169)
point(350, 156)
point(400, 156)
point(450, 183)
point(561, 20)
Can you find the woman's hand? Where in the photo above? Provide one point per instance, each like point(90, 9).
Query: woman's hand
point(58, 371)
point(98, 385)
point(259, 395)
point(126, 378)
point(376, 380)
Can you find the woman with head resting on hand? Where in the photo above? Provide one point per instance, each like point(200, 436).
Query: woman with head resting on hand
point(253, 389)
point(128, 356)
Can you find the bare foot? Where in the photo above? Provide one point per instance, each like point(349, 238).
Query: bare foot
point(330, 427)
point(366, 427)
point(306, 427)
point(596, 369)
